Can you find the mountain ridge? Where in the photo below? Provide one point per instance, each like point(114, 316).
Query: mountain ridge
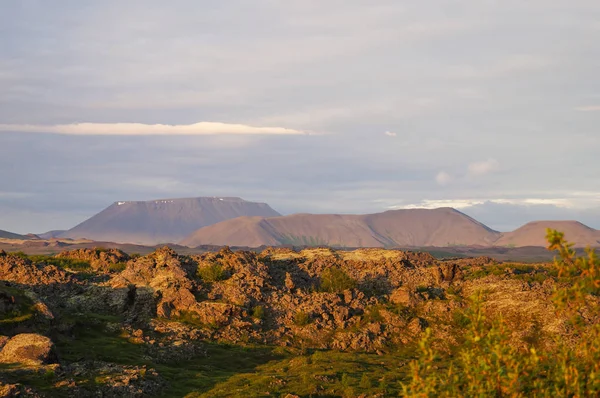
point(405, 227)
point(441, 227)
point(163, 220)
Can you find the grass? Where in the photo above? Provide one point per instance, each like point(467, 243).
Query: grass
point(294, 240)
point(318, 373)
point(65, 263)
point(91, 342)
point(23, 307)
point(527, 272)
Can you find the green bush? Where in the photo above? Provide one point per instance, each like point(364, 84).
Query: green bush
point(118, 267)
point(61, 262)
point(301, 318)
point(335, 280)
point(213, 272)
point(258, 312)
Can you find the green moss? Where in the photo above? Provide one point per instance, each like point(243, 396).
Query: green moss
point(21, 310)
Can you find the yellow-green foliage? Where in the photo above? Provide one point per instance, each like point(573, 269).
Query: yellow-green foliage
point(488, 364)
point(212, 272)
point(258, 312)
point(335, 280)
point(301, 318)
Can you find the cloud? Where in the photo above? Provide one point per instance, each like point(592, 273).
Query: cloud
point(443, 178)
point(390, 134)
point(565, 203)
point(202, 128)
point(478, 169)
point(434, 204)
point(588, 108)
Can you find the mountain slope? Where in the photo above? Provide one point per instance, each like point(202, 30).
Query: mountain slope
point(10, 235)
point(162, 221)
point(51, 234)
point(533, 234)
point(414, 227)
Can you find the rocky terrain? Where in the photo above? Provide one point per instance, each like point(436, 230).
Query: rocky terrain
point(162, 221)
point(99, 322)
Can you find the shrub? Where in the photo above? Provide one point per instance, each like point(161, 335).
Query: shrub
point(422, 289)
point(213, 272)
point(258, 312)
point(372, 314)
point(117, 267)
point(335, 280)
point(488, 363)
point(301, 318)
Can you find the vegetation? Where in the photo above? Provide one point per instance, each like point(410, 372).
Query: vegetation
point(60, 262)
point(212, 272)
point(117, 267)
point(335, 280)
point(301, 318)
point(294, 240)
point(258, 312)
point(22, 307)
point(468, 351)
point(488, 363)
point(526, 272)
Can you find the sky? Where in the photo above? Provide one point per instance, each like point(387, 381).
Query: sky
point(337, 106)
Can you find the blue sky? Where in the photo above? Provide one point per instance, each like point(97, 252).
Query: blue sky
point(492, 107)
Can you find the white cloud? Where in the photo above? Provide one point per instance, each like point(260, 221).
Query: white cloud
point(390, 134)
point(478, 169)
point(434, 204)
point(588, 108)
point(202, 128)
point(443, 178)
point(466, 203)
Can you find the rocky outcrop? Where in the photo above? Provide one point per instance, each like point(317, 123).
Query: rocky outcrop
point(99, 259)
point(168, 275)
point(28, 349)
point(115, 380)
point(20, 270)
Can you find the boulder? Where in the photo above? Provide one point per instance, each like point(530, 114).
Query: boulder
point(402, 296)
point(28, 349)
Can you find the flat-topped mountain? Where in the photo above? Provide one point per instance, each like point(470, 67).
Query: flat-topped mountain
point(165, 220)
point(408, 227)
point(534, 233)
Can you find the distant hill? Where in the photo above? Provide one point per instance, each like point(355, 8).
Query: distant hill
point(534, 233)
point(10, 235)
point(164, 220)
point(406, 228)
point(51, 234)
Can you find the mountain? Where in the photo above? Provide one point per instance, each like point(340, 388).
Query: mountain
point(10, 235)
point(51, 234)
point(164, 220)
point(406, 228)
point(534, 233)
